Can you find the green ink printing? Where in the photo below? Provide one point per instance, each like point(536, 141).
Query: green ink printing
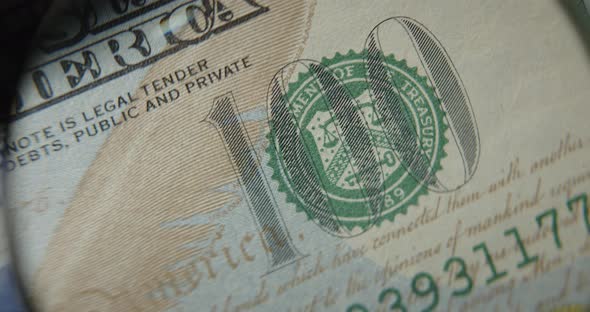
point(338, 180)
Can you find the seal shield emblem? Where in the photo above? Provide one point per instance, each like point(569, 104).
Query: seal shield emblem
point(337, 171)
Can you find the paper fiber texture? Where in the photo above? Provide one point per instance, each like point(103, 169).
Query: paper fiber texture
point(238, 155)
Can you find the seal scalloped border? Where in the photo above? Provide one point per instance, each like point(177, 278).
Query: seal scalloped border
point(273, 161)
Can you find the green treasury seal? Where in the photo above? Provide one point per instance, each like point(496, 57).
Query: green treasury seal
point(308, 107)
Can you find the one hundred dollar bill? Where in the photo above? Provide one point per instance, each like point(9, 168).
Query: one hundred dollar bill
point(258, 155)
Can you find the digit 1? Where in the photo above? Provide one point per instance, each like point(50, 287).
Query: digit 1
point(526, 260)
point(583, 199)
point(42, 84)
point(262, 204)
point(495, 275)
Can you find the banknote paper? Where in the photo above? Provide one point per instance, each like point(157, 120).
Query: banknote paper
point(258, 155)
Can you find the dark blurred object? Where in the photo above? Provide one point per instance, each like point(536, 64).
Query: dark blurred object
point(579, 15)
point(19, 20)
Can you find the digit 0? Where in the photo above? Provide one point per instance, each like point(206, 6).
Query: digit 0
point(303, 168)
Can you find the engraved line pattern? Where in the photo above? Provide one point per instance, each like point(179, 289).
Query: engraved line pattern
point(262, 204)
point(454, 99)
